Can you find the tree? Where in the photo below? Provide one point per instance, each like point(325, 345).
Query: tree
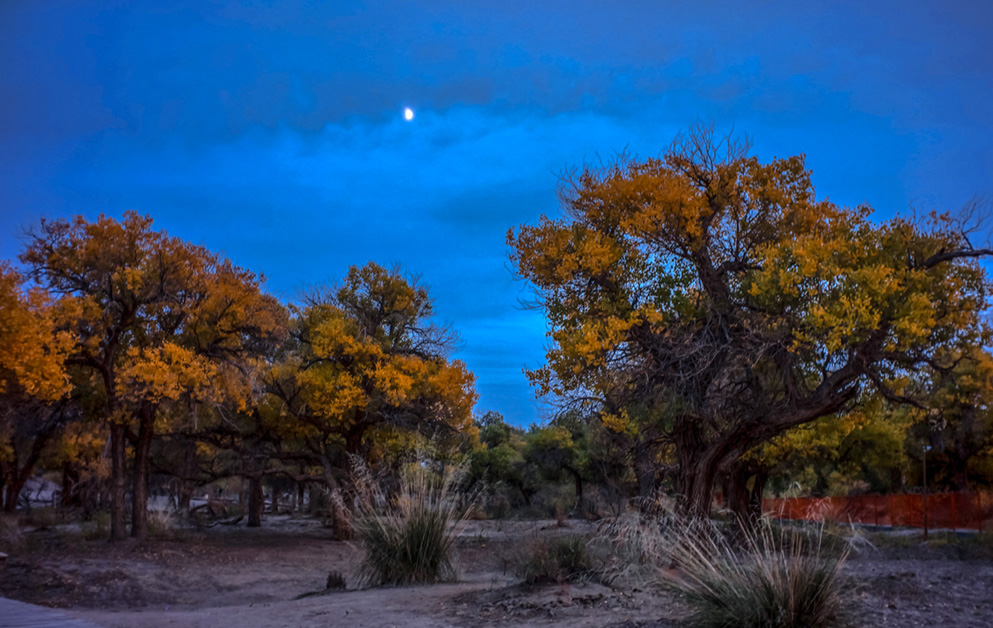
point(562, 448)
point(33, 382)
point(155, 320)
point(708, 302)
point(958, 428)
point(499, 460)
point(856, 451)
point(364, 365)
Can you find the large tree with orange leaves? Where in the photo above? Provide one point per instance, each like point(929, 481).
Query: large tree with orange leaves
point(156, 321)
point(33, 381)
point(367, 367)
point(706, 302)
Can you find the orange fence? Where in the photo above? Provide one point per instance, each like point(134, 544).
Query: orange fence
point(956, 511)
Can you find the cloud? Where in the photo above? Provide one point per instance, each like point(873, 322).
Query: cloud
point(273, 131)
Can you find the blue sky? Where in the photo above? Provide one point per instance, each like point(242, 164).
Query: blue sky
point(273, 131)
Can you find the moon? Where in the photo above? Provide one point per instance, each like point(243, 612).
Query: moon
point(408, 114)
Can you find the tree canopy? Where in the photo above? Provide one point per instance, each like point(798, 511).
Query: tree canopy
point(706, 302)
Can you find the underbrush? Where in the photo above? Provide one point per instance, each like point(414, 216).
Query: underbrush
point(11, 535)
point(552, 558)
point(164, 524)
point(98, 527)
point(769, 578)
point(759, 576)
point(409, 537)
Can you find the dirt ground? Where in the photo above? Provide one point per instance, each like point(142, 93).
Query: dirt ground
point(239, 577)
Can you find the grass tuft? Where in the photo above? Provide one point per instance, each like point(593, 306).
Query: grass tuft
point(409, 539)
point(553, 558)
point(764, 580)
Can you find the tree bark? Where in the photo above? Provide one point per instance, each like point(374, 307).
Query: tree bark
point(12, 491)
point(139, 487)
point(744, 501)
point(256, 502)
point(186, 485)
point(341, 517)
point(118, 526)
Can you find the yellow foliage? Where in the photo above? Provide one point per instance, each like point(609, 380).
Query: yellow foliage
point(32, 352)
point(364, 365)
point(167, 372)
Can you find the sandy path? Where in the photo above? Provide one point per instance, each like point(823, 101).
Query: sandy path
point(415, 607)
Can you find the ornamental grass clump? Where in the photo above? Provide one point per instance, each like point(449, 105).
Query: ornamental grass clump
point(409, 538)
point(759, 580)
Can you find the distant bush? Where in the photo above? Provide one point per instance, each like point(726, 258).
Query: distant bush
point(98, 527)
point(162, 524)
point(409, 538)
point(11, 536)
point(552, 558)
point(44, 517)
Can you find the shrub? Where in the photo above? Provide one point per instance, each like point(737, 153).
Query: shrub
point(635, 550)
point(43, 517)
point(558, 558)
point(409, 539)
point(765, 582)
point(162, 524)
point(11, 535)
point(99, 526)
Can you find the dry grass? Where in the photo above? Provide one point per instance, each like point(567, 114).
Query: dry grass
point(764, 576)
point(552, 558)
point(11, 535)
point(409, 537)
point(764, 579)
point(633, 551)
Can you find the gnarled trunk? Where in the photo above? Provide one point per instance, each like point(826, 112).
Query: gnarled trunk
point(743, 490)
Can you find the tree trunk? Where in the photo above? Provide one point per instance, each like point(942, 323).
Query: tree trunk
point(11, 494)
point(339, 514)
point(139, 487)
point(118, 526)
point(300, 489)
point(17, 472)
point(275, 499)
point(70, 479)
point(743, 500)
point(256, 502)
point(695, 480)
point(186, 485)
point(578, 481)
point(8, 481)
point(185, 495)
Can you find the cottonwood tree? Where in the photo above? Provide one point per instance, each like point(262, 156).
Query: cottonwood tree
point(707, 302)
point(957, 425)
point(155, 319)
point(366, 363)
point(34, 386)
